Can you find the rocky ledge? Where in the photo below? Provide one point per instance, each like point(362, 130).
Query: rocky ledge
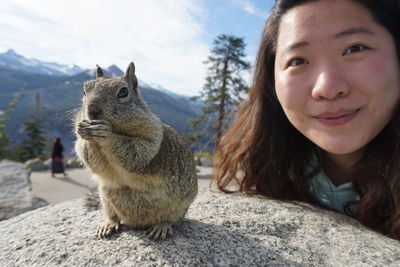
point(16, 194)
point(220, 230)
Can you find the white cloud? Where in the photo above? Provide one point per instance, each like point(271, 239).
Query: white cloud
point(163, 38)
point(249, 7)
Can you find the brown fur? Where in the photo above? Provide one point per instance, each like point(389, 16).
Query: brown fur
point(146, 173)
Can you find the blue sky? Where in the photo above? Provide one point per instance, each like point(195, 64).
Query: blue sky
point(167, 39)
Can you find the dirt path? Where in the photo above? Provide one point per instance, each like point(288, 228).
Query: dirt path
point(78, 182)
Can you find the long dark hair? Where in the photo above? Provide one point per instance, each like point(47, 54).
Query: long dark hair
point(262, 153)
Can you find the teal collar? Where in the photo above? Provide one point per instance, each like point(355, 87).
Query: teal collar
point(330, 196)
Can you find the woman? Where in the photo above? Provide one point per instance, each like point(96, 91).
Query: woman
point(321, 123)
point(57, 165)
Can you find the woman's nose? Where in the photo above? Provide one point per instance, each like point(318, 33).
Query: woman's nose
point(330, 85)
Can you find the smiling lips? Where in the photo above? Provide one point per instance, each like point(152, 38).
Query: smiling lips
point(337, 118)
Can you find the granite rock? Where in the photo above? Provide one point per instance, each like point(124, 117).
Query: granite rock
point(74, 163)
point(220, 230)
point(47, 163)
point(36, 165)
point(206, 162)
point(16, 194)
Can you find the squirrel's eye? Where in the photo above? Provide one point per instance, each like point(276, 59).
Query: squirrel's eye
point(123, 92)
point(84, 93)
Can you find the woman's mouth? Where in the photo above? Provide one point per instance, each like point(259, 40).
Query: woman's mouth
point(337, 118)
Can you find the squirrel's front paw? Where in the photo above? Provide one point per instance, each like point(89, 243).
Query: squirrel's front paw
point(107, 229)
point(160, 231)
point(95, 130)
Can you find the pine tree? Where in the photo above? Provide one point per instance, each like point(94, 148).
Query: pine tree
point(4, 116)
point(224, 88)
point(34, 144)
point(4, 145)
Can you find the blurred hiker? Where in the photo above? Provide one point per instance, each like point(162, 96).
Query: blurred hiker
point(57, 165)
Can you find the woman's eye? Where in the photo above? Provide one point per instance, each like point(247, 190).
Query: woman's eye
point(123, 92)
point(355, 49)
point(297, 62)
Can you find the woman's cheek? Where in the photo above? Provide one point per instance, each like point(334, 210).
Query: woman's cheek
point(292, 93)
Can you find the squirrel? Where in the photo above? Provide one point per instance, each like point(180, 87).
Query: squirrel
point(145, 171)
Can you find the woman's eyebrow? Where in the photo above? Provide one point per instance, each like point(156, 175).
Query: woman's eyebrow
point(352, 31)
point(348, 32)
point(295, 46)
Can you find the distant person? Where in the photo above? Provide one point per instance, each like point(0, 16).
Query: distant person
point(57, 165)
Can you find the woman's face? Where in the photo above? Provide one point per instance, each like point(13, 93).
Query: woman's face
point(337, 75)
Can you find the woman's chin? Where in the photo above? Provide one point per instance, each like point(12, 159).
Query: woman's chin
point(340, 147)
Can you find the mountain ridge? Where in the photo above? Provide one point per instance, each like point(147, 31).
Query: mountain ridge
point(60, 95)
point(10, 59)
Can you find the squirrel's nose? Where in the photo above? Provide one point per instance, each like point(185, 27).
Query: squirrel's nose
point(94, 111)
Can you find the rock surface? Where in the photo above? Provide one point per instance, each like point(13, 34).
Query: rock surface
point(36, 165)
point(204, 161)
point(47, 163)
point(74, 163)
point(220, 230)
point(16, 195)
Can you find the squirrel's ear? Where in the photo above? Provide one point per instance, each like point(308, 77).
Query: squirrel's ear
point(99, 72)
point(130, 69)
point(130, 76)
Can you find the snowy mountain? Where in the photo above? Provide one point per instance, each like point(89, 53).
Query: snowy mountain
point(61, 93)
point(158, 87)
point(12, 60)
point(113, 71)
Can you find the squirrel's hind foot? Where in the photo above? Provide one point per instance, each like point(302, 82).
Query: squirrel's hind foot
point(160, 231)
point(107, 229)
